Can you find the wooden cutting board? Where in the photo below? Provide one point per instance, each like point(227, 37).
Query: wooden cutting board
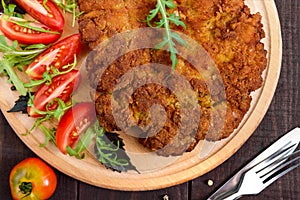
point(187, 167)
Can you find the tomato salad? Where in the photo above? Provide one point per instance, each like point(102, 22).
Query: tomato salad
point(50, 65)
point(48, 62)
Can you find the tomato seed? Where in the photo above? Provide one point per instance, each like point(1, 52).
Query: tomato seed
point(49, 91)
point(74, 134)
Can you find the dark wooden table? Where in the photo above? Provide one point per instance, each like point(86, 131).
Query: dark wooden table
point(282, 116)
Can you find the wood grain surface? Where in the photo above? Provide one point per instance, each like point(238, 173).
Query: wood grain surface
point(283, 115)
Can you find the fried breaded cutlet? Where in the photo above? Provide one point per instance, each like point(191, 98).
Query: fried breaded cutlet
point(227, 31)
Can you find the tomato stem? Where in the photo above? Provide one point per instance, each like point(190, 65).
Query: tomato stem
point(26, 188)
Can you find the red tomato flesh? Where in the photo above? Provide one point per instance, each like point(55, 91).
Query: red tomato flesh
point(35, 173)
point(27, 36)
point(50, 15)
point(74, 122)
point(61, 87)
point(57, 56)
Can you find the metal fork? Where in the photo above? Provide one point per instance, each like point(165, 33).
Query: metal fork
point(266, 172)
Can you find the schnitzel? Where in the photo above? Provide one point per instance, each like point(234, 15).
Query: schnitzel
point(226, 29)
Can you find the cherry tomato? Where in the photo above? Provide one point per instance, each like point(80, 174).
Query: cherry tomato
point(61, 87)
point(25, 35)
point(57, 56)
point(49, 15)
point(74, 122)
point(32, 179)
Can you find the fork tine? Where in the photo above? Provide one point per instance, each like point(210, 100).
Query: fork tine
point(272, 162)
point(282, 150)
point(281, 174)
point(271, 178)
point(270, 173)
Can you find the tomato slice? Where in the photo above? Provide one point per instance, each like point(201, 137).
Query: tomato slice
point(32, 179)
point(26, 35)
point(74, 122)
point(50, 15)
point(62, 87)
point(57, 56)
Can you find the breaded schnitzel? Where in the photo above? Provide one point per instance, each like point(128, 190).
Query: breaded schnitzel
point(225, 28)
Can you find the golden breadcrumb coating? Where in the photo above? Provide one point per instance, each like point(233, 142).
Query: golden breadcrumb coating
point(225, 28)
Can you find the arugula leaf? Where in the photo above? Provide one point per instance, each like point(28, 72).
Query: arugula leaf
point(69, 6)
point(46, 7)
point(47, 116)
point(28, 24)
point(33, 25)
point(166, 19)
point(84, 142)
point(49, 75)
point(17, 18)
point(13, 78)
point(49, 135)
point(62, 107)
point(60, 110)
point(13, 56)
point(109, 149)
point(10, 9)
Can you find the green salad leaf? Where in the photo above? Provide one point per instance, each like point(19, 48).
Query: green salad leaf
point(109, 150)
point(18, 56)
point(167, 18)
point(69, 6)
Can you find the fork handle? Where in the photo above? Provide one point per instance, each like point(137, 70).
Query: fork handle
point(230, 196)
point(227, 196)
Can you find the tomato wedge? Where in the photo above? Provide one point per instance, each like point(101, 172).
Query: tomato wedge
point(26, 35)
point(49, 15)
point(32, 179)
point(62, 87)
point(74, 122)
point(57, 56)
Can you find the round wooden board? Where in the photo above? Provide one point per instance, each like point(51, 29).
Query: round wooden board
point(187, 167)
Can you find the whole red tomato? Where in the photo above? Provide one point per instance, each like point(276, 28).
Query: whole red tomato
point(32, 179)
